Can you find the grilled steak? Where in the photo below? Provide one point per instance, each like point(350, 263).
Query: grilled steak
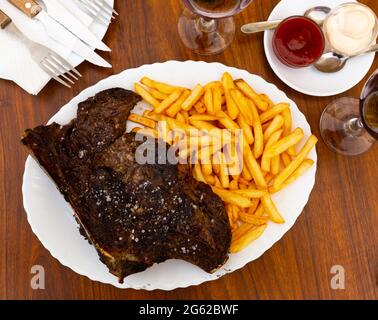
point(134, 214)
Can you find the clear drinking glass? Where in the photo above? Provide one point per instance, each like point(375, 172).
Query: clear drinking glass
point(207, 26)
point(349, 126)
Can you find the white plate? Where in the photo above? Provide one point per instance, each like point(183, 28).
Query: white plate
point(309, 80)
point(51, 217)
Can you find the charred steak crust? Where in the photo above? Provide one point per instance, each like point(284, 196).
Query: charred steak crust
point(135, 215)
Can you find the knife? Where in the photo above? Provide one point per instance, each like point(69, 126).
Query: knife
point(60, 14)
point(59, 33)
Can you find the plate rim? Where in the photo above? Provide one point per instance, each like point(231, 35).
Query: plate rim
point(176, 285)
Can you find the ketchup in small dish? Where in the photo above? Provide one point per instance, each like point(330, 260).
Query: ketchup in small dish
point(298, 42)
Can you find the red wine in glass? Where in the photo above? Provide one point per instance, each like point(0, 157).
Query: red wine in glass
point(207, 26)
point(216, 8)
point(369, 106)
point(349, 126)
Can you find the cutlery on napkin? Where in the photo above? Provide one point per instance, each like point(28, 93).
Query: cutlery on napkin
point(59, 33)
point(60, 14)
point(49, 61)
point(16, 63)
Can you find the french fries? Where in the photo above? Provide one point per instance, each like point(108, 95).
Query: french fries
point(180, 117)
point(202, 125)
point(146, 131)
point(216, 163)
point(176, 107)
point(168, 101)
point(265, 161)
point(227, 81)
point(210, 180)
point(241, 231)
point(246, 182)
point(250, 93)
point(208, 100)
point(243, 106)
point(232, 198)
point(197, 173)
point(271, 113)
point(228, 86)
point(200, 107)
point(185, 114)
point(157, 94)
point(142, 120)
point(203, 117)
point(245, 172)
point(223, 176)
point(280, 179)
point(254, 168)
point(258, 146)
point(153, 116)
point(251, 193)
point(291, 151)
point(247, 130)
point(194, 96)
point(286, 113)
point(276, 124)
point(285, 159)
point(207, 168)
point(178, 125)
point(271, 210)
point(260, 211)
point(249, 218)
point(146, 95)
point(284, 144)
point(227, 122)
point(232, 108)
point(252, 209)
point(234, 159)
point(160, 86)
point(275, 165)
point(217, 183)
point(213, 84)
point(234, 185)
point(251, 235)
point(266, 98)
point(217, 99)
point(303, 167)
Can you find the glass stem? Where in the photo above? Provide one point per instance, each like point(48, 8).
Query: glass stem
point(206, 25)
point(354, 127)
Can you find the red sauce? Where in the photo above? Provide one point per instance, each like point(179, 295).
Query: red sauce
point(298, 42)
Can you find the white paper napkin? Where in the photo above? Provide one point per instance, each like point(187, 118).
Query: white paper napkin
point(16, 63)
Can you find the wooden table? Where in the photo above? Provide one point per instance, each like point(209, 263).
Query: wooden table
point(337, 227)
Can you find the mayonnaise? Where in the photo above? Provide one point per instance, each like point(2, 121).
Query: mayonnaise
point(351, 28)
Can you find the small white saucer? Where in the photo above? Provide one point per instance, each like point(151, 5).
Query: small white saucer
point(309, 80)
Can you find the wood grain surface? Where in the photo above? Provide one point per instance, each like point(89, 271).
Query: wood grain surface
point(339, 225)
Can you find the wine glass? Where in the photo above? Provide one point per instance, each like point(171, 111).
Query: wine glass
point(207, 26)
point(349, 126)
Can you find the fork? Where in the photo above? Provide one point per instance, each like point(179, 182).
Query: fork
point(99, 10)
point(49, 61)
